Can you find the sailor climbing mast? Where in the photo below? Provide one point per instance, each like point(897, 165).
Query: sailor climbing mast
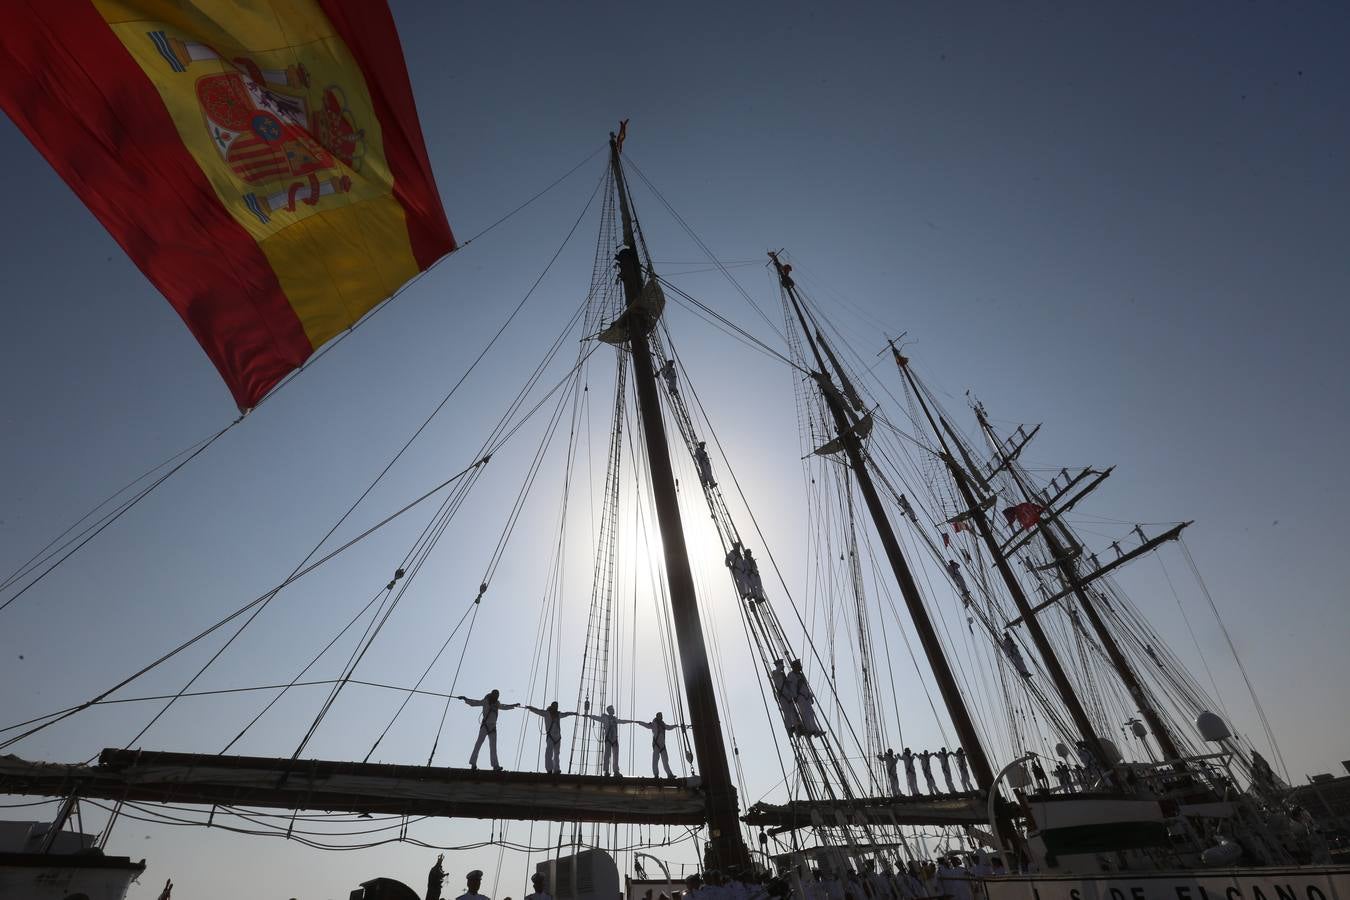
point(923, 625)
point(976, 513)
point(728, 849)
point(1069, 572)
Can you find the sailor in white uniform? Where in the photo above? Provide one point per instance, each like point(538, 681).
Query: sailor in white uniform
point(892, 773)
point(911, 777)
point(740, 573)
point(472, 881)
point(945, 761)
point(782, 693)
point(487, 727)
point(754, 585)
point(658, 727)
point(609, 737)
point(705, 472)
point(552, 735)
point(801, 693)
point(1015, 655)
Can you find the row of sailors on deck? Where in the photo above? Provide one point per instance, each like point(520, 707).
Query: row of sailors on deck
point(552, 725)
point(947, 878)
point(892, 761)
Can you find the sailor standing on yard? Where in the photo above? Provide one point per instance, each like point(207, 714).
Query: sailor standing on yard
point(609, 736)
point(945, 762)
point(892, 776)
point(487, 727)
point(926, 763)
point(552, 735)
point(908, 758)
point(782, 693)
point(658, 727)
point(964, 770)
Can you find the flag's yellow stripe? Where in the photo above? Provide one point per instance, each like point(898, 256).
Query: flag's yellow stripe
point(338, 258)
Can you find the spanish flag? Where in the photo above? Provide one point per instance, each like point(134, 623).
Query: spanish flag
point(262, 163)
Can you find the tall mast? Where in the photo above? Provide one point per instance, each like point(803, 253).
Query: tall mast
point(1068, 570)
point(976, 514)
point(728, 850)
point(923, 625)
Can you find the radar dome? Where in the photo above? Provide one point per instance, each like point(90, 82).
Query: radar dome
point(1211, 727)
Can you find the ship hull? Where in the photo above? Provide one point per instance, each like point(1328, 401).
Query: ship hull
point(1274, 883)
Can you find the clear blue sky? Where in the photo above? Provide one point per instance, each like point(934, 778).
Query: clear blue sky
point(1125, 222)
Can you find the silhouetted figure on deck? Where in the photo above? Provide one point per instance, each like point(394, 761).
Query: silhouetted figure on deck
point(911, 778)
point(436, 878)
point(540, 888)
point(472, 881)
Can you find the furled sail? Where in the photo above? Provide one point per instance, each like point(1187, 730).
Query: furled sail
point(262, 164)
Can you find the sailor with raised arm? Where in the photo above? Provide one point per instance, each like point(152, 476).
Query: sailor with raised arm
point(705, 472)
point(907, 509)
point(552, 735)
point(911, 778)
point(892, 774)
point(782, 692)
point(926, 763)
point(805, 700)
point(436, 878)
point(658, 727)
point(1015, 655)
point(487, 727)
point(609, 737)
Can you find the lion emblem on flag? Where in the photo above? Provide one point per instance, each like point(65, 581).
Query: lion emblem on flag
point(268, 132)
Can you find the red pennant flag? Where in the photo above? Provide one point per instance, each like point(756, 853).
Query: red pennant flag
point(1024, 514)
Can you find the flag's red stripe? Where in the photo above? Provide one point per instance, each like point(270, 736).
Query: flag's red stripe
point(367, 28)
point(76, 93)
